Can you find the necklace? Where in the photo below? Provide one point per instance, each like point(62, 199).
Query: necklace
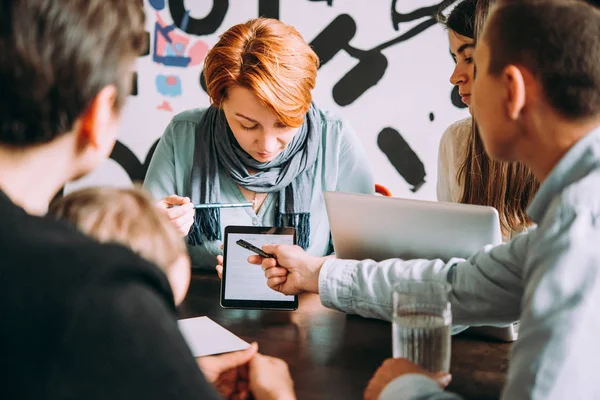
point(255, 202)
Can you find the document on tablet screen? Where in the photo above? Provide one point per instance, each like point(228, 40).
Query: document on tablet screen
point(245, 281)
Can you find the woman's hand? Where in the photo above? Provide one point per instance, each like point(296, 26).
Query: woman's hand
point(219, 266)
point(180, 211)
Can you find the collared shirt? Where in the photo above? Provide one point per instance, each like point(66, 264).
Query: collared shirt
point(549, 278)
point(342, 165)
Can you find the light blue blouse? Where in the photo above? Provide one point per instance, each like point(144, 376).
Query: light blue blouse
point(341, 166)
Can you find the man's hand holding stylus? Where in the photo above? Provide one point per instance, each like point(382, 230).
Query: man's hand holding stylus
point(292, 271)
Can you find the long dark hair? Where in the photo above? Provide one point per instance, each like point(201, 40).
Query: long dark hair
point(508, 187)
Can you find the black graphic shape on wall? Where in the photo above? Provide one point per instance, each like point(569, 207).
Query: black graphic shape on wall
point(123, 156)
point(205, 26)
point(455, 97)
point(358, 80)
point(372, 63)
point(329, 2)
point(134, 84)
point(411, 33)
point(398, 18)
point(268, 8)
point(335, 37)
point(146, 49)
point(402, 157)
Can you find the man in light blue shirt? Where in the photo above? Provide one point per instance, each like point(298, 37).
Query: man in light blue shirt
point(536, 99)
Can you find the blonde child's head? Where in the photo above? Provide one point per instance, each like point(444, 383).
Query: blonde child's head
point(129, 217)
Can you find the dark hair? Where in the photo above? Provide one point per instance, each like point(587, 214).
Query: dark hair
point(56, 56)
point(461, 19)
point(558, 43)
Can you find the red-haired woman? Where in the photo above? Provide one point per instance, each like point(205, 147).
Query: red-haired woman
point(262, 140)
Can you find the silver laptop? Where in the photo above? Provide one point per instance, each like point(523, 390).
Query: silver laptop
point(379, 228)
point(376, 227)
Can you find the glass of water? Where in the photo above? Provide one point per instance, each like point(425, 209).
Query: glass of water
point(421, 323)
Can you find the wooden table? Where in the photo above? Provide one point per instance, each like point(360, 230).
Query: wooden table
point(333, 355)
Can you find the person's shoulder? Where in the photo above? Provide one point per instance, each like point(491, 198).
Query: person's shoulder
point(329, 116)
point(111, 263)
point(581, 197)
point(55, 279)
point(337, 130)
point(193, 116)
point(42, 253)
point(458, 132)
point(454, 141)
point(183, 126)
point(577, 206)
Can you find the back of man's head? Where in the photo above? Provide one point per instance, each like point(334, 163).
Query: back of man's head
point(558, 41)
point(56, 56)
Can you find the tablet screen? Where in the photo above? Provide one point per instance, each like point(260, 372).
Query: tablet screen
point(247, 282)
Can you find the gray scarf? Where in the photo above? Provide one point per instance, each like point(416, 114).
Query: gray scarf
point(290, 174)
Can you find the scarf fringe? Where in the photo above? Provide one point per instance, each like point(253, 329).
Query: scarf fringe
point(301, 222)
point(207, 222)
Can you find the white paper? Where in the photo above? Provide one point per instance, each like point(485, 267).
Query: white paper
point(205, 337)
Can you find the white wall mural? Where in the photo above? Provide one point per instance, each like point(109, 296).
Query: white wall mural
point(385, 67)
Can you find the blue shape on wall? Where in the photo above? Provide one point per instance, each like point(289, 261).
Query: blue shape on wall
point(157, 4)
point(169, 85)
point(167, 51)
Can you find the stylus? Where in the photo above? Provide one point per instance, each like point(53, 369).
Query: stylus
point(254, 249)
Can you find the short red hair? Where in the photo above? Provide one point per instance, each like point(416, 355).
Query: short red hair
point(269, 58)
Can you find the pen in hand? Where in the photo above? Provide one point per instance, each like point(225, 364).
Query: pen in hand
point(254, 249)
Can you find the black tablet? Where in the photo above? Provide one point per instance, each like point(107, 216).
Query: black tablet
point(244, 285)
